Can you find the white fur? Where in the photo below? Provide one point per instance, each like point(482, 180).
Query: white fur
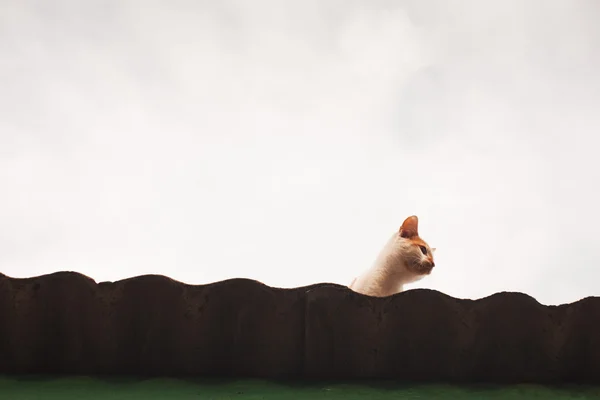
point(389, 273)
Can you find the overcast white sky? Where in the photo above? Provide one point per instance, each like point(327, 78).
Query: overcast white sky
point(285, 141)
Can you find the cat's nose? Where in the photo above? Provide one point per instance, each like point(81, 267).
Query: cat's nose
point(432, 264)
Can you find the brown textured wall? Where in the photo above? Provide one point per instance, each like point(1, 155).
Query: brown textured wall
point(65, 323)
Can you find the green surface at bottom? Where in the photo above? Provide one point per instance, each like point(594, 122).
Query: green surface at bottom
point(64, 388)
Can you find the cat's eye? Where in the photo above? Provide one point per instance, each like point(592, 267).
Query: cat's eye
point(423, 250)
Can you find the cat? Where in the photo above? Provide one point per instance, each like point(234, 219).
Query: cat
point(405, 258)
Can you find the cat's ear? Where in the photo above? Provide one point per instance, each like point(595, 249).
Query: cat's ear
point(410, 227)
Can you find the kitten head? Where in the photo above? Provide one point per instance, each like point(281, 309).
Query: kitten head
point(417, 255)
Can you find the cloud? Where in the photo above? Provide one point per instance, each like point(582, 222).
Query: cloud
point(285, 141)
